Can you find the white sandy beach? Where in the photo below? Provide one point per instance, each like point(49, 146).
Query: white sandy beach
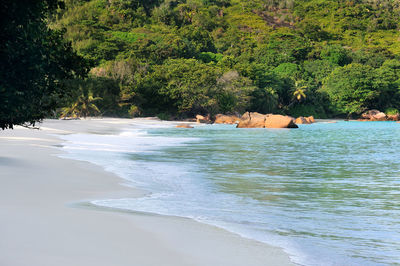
point(44, 219)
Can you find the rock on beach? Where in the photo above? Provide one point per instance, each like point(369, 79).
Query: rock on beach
point(257, 120)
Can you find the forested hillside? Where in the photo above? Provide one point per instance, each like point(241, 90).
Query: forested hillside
point(177, 58)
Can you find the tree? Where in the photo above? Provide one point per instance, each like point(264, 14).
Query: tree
point(234, 92)
point(319, 69)
point(300, 90)
point(336, 54)
point(352, 88)
point(287, 70)
point(389, 84)
point(264, 100)
point(33, 61)
point(186, 85)
point(313, 31)
point(83, 106)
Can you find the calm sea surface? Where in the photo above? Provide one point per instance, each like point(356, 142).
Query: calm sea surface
point(328, 193)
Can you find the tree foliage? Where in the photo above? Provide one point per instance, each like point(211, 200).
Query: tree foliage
point(33, 61)
point(353, 88)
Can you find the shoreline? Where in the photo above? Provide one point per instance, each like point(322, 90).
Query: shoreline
point(44, 224)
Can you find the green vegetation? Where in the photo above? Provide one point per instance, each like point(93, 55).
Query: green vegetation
point(177, 58)
point(392, 111)
point(83, 106)
point(34, 61)
point(352, 88)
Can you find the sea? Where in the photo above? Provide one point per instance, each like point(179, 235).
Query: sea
point(327, 193)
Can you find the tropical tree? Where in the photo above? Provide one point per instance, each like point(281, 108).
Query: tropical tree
point(84, 106)
point(352, 88)
point(234, 92)
point(300, 90)
point(264, 100)
point(33, 61)
point(181, 86)
point(336, 54)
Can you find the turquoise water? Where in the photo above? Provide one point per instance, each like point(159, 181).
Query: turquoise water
point(328, 193)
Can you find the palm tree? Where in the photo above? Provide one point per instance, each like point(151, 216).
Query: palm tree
point(83, 107)
point(300, 90)
point(299, 93)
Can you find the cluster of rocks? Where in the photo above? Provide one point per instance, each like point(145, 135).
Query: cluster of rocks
point(305, 120)
point(226, 119)
point(254, 120)
point(375, 115)
point(257, 120)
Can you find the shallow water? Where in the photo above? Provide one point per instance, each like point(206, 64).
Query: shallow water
point(329, 194)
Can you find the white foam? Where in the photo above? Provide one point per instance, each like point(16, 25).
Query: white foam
point(173, 190)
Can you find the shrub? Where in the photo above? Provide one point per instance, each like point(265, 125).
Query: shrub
point(134, 111)
point(391, 111)
point(164, 116)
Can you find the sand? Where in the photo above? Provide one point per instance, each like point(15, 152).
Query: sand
point(45, 218)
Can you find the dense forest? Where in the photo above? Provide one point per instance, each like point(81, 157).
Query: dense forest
point(179, 58)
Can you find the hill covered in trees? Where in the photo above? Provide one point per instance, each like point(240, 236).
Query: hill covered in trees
point(178, 58)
